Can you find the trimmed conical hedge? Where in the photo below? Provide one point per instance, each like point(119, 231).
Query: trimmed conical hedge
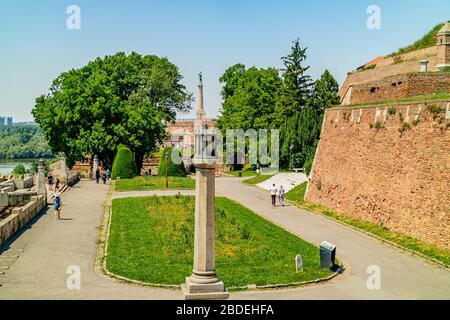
point(175, 170)
point(124, 166)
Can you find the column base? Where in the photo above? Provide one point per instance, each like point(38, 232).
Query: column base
point(210, 291)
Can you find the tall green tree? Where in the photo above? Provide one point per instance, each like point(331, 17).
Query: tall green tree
point(249, 97)
point(326, 92)
point(297, 84)
point(118, 99)
point(300, 133)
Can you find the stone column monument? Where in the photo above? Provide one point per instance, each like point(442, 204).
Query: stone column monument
point(63, 177)
point(204, 283)
point(94, 170)
point(41, 188)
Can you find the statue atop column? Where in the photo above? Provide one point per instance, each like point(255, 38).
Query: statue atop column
point(201, 114)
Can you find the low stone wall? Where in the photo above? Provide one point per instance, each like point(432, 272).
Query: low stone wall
point(24, 182)
point(388, 165)
point(73, 179)
point(19, 217)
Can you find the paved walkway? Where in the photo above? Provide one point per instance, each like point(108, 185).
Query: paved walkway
point(50, 247)
point(47, 248)
point(402, 276)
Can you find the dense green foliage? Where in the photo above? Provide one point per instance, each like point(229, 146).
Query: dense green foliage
point(118, 99)
point(124, 166)
point(249, 98)
point(23, 141)
point(297, 195)
point(297, 85)
point(20, 169)
point(147, 233)
point(174, 169)
point(292, 102)
point(154, 183)
point(428, 40)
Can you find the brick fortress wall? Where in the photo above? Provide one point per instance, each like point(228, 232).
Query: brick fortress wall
point(401, 86)
point(371, 166)
point(391, 66)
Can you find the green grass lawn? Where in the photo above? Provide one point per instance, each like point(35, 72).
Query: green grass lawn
point(154, 183)
point(297, 195)
point(257, 179)
point(245, 173)
point(151, 240)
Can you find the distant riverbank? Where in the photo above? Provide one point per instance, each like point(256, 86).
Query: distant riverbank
point(7, 166)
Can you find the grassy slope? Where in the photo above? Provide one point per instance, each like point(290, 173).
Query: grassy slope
point(422, 98)
point(151, 240)
point(428, 40)
point(297, 194)
point(154, 183)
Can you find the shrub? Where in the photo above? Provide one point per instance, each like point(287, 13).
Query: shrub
point(436, 110)
point(174, 170)
point(308, 166)
point(19, 169)
point(392, 111)
point(124, 166)
point(378, 125)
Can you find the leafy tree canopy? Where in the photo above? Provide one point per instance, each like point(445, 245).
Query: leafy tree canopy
point(249, 97)
point(261, 99)
point(112, 100)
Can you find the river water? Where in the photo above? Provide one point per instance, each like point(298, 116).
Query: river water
point(7, 166)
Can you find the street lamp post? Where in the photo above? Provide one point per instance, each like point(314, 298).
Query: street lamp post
point(204, 283)
point(167, 170)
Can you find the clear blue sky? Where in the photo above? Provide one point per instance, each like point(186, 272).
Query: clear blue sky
point(197, 35)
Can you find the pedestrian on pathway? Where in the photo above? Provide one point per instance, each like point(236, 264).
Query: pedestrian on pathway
point(108, 174)
point(57, 205)
point(104, 178)
point(57, 183)
point(281, 196)
point(273, 194)
point(50, 181)
point(97, 175)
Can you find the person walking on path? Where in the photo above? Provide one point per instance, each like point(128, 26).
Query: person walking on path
point(57, 185)
point(104, 178)
point(108, 174)
point(273, 194)
point(50, 181)
point(281, 196)
point(97, 175)
point(57, 205)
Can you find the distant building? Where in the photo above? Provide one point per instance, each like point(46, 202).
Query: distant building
point(6, 121)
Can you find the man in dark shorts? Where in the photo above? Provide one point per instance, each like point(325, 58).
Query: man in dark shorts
point(50, 181)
